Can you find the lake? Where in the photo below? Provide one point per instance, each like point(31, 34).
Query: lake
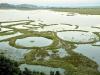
point(29, 30)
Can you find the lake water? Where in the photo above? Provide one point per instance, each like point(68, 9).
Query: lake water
point(33, 42)
point(43, 69)
point(49, 17)
point(11, 52)
point(92, 52)
point(74, 28)
point(78, 36)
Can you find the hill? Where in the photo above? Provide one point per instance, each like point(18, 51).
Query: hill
point(20, 6)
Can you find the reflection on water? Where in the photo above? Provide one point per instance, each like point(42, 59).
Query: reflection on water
point(12, 23)
point(97, 44)
point(43, 69)
point(62, 53)
point(4, 29)
point(83, 27)
point(50, 17)
point(34, 42)
point(19, 27)
point(11, 52)
point(78, 36)
point(92, 52)
point(56, 28)
point(9, 36)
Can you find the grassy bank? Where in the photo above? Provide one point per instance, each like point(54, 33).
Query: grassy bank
point(92, 11)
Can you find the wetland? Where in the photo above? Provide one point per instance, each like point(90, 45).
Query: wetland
point(47, 40)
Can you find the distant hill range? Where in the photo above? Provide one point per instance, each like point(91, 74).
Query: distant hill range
point(20, 6)
point(29, 6)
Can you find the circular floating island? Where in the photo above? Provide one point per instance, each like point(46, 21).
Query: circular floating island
point(30, 42)
point(80, 37)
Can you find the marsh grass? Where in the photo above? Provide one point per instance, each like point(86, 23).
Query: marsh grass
point(75, 64)
point(88, 11)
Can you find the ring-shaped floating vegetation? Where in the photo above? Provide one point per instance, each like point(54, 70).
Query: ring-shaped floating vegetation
point(48, 36)
point(78, 37)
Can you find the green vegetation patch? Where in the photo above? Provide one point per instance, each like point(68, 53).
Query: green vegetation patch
point(48, 35)
point(91, 11)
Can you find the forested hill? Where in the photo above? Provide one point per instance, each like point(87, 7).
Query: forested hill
point(30, 6)
point(20, 6)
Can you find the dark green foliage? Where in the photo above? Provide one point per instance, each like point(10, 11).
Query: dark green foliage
point(51, 73)
point(27, 72)
point(54, 73)
point(57, 73)
point(42, 73)
point(8, 67)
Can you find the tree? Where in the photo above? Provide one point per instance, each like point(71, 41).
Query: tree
point(8, 67)
point(57, 73)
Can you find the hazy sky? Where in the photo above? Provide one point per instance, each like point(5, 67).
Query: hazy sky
point(53, 2)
